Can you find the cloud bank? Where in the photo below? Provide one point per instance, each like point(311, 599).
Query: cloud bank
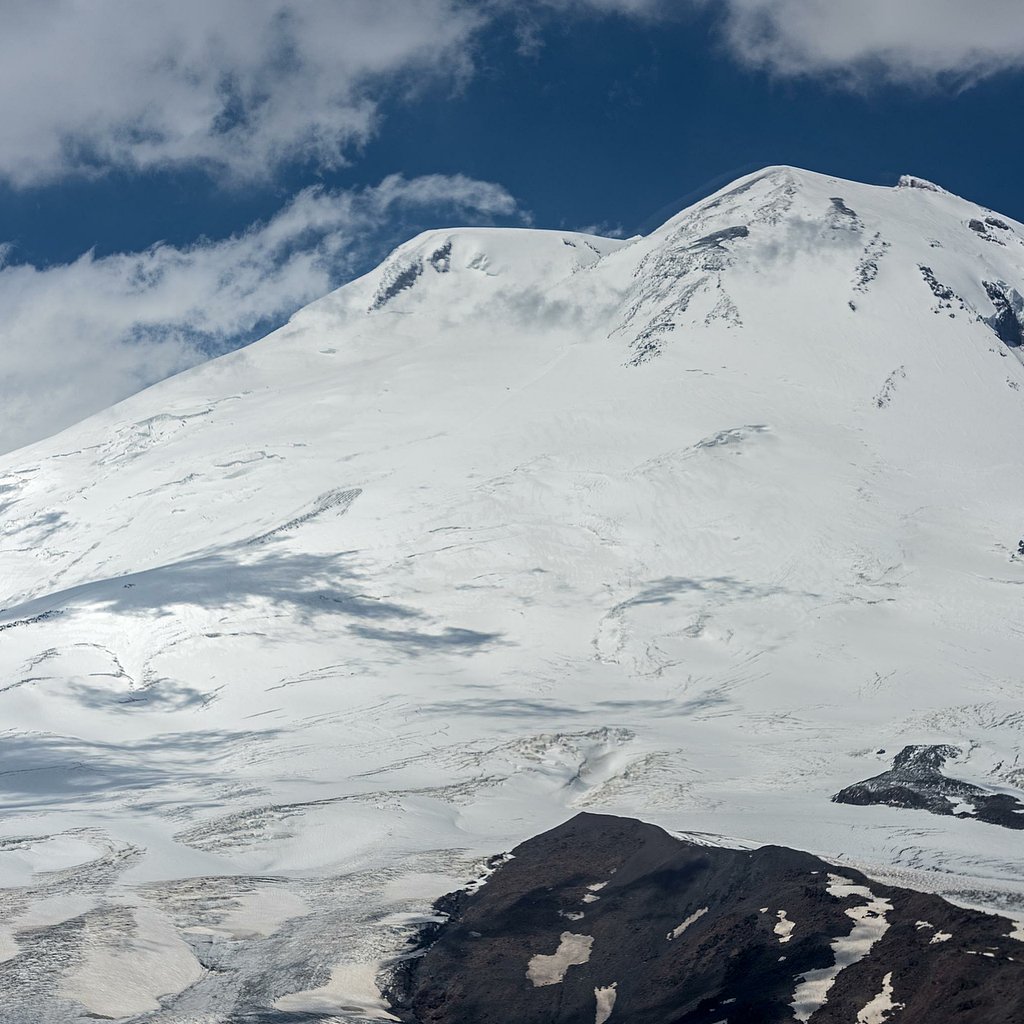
point(77, 337)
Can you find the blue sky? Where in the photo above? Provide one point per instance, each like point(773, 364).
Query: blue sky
point(177, 181)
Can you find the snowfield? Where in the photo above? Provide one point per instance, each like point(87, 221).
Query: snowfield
point(701, 527)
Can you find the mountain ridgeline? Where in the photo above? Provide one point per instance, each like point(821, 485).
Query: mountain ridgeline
point(717, 527)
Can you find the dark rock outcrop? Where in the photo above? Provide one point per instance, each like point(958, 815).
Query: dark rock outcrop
point(981, 228)
point(1008, 319)
point(610, 919)
point(911, 181)
point(916, 780)
point(396, 280)
point(942, 292)
point(400, 275)
point(716, 239)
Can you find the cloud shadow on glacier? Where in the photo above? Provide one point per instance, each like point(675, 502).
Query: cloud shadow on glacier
point(311, 586)
point(45, 769)
point(317, 584)
point(499, 707)
point(668, 588)
point(416, 642)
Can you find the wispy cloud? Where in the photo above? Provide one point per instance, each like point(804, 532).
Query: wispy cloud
point(243, 87)
point(237, 86)
point(77, 337)
point(913, 42)
point(950, 43)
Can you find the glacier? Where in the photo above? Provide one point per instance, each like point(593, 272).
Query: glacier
point(701, 527)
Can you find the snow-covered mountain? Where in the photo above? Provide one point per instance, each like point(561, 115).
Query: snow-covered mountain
point(704, 527)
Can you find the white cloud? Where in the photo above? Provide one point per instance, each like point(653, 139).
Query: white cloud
point(241, 87)
point(238, 86)
point(856, 42)
point(905, 41)
point(77, 337)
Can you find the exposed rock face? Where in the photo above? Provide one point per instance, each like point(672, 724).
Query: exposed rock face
point(917, 781)
point(610, 919)
point(1009, 309)
point(400, 275)
point(910, 181)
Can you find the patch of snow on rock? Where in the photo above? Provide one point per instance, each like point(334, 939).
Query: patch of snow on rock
point(784, 928)
point(880, 1009)
point(680, 928)
point(544, 969)
point(605, 1002)
point(870, 925)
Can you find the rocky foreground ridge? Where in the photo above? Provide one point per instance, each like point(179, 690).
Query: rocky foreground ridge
point(611, 919)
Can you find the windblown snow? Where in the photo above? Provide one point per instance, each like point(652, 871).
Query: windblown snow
point(701, 526)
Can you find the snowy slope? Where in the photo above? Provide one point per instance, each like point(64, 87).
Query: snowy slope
point(692, 526)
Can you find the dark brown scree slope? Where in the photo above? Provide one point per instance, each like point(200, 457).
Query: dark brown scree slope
point(610, 919)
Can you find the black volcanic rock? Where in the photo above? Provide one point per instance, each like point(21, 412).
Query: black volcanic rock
point(654, 930)
point(917, 781)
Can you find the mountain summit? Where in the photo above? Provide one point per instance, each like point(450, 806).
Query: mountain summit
point(704, 526)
